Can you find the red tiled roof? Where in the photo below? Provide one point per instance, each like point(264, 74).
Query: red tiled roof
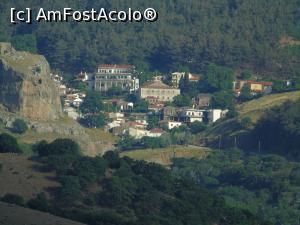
point(132, 124)
point(156, 85)
point(258, 82)
point(157, 130)
point(116, 66)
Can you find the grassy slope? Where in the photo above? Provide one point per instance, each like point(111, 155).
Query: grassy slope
point(21, 176)
point(96, 136)
point(228, 129)
point(16, 215)
point(255, 109)
point(163, 156)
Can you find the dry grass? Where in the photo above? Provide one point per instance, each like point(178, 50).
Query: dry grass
point(255, 109)
point(21, 176)
point(99, 134)
point(31, 137)
point(15, 215)
point(164, 156)
point(24, 61)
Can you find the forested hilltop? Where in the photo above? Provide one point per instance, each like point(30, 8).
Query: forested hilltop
point(194, 33)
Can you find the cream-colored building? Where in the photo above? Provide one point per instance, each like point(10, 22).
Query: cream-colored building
point(158, 91)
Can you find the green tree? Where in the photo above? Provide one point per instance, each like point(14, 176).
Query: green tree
point(58, 147)
point(153, 121)
point(94, 121)
point(141, 106)
point(70, 191)
point(223, 100)
point(113, 159)
point(8, 143)
point(246, 122)
point(40, 202)
point(13, 199)
point(127, 143)
point(114, 91)
point(246, 74)
point(246, 94)
point(92, 103)
point(217, 79)
point(19, 126)
point(25, 42)
point(197, 127)
point(182, 100)
point(184, 84)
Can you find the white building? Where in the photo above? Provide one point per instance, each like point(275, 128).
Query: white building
point(62, 90)
point(116, 116)
point(216, 114)
point(139, 133)
point(122, 76)
point(135, 85)
point(188, 115)
point(157, 91)
point(171, 124)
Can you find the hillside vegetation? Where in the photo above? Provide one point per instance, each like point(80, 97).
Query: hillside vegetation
point(164, 156)
point(21, 176)
point(267, 185)
point(116, 191)
point(16, 215)
point(187, 34)
point(256, 108)
point(253, 109)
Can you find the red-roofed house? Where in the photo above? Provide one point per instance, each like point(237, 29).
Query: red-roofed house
point(255, 86)
point(108, 76)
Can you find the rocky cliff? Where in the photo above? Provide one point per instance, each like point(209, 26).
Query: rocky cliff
point(25, 85)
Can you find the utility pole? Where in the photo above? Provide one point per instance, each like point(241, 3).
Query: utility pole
point(259, 146)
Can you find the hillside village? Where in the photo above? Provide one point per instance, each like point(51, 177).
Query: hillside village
point(151, 108)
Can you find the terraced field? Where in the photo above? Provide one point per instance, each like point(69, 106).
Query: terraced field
point(164, 156)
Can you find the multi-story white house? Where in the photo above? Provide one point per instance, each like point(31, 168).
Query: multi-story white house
point(108, 76)
point(188, 115)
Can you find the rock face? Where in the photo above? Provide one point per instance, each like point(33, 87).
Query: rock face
point(25, 85)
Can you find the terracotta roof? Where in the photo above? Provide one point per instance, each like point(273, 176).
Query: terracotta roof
point(262, 83)
point(157, 84)
point(133, 124)
point(257, 82)
point(157, 130)
point(115, 66)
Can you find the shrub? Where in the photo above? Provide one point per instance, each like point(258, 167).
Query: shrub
point(39, 203)
point(19, 126)
point(112, 158)
point(246, 122)
point(197, 127)
point(8, 143)
point(25, 42)
point(13, 199)
point(58, 147)
point(92, 121)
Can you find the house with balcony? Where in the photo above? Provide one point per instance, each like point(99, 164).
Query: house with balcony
point(122, 76)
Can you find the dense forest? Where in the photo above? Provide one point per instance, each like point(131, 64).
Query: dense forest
point(188, 34)
point(278, 130)
point(266, 185)
point(110, 190)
